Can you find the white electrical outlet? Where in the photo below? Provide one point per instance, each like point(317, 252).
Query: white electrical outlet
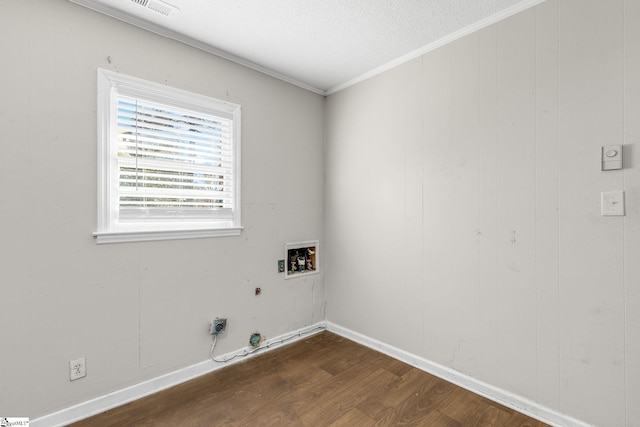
point(77, 368)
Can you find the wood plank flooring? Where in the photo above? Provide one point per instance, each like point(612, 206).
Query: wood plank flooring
point(323, 380)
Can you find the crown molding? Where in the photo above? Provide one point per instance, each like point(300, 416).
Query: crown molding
point(436, 44)
point(164, 32)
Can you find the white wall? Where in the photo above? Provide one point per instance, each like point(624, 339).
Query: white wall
point(136, 311)
point(463, 208)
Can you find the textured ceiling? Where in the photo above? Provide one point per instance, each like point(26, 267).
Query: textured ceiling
point(323, 45)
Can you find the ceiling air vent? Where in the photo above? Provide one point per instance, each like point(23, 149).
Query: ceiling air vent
point(158, 6)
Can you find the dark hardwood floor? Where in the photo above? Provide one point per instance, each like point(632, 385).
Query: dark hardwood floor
point(323, 380)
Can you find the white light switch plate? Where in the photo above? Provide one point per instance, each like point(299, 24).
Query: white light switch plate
point(612, 203)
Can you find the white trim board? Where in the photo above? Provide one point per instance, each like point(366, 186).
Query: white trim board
point(154, 385)
point(503, 397)
point(141, 23)
point(145, 25)
point(138, 391)
point(490, 20)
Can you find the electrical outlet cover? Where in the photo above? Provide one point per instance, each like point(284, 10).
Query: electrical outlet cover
point(612, 203)
point(77, 369)
point(218, 326)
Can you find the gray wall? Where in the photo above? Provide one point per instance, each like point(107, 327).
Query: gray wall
point(463, 207)
point(136, 311)
point(430, 169)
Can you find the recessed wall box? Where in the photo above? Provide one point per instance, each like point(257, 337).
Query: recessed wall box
point(301, 258)
point(611, 157)
point(217, 326)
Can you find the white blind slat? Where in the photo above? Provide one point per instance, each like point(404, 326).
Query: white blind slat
point(155, 112)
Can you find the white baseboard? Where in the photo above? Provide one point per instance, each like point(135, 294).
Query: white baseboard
point(508, 399)
point(137, 391)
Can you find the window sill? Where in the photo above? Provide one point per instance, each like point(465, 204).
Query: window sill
point(151, 236)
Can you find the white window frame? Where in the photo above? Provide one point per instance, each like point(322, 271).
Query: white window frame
point(110, 228)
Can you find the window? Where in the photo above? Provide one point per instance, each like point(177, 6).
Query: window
point(168, 162)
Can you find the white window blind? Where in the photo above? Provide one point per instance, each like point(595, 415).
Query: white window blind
point(170, 159)
point(172, 162)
